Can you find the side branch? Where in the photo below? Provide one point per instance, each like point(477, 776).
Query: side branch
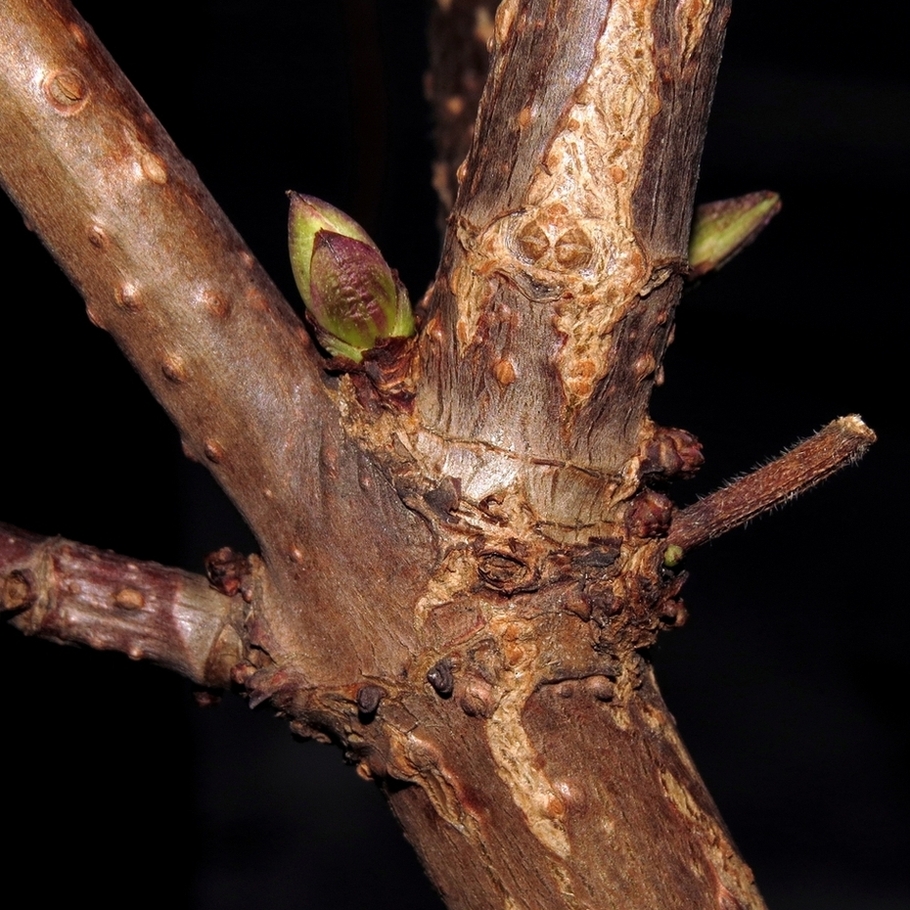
point(841, 442)
point(71, 593)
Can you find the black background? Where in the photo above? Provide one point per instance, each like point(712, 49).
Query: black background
point(788, 681)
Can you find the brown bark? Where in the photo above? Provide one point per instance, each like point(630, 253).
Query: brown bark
point(67, 592)
point(842, 441)
point(488, 674)
point(460, 32)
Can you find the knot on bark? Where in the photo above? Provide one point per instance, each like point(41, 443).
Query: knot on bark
point(368, 699)
point(442, 678)
point(671, 453)
point(501, 572)
point(228, 571)
point(649, 515)
point(18, 590)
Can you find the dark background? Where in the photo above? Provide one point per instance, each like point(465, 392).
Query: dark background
point(788, 681)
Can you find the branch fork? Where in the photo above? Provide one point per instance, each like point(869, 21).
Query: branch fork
point(530, 388)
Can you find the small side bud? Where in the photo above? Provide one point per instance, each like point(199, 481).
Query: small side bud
point(673, 556)
point(352, 296)
point(722, 229)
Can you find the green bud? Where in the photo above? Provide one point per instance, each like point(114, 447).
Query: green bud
point(673, 555)
point(352, 296)
point(722, 229)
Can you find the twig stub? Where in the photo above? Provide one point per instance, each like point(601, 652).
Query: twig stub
point(840, 443)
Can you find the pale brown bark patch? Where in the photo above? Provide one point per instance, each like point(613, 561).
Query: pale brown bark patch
point(153, 167)
point(129, 599)
point(517, 762)
point(505, 16)
point(418, 760)
point(692, 17)
point(504, 371)
point(66, 90)
point(573, 243)
point(592, 163)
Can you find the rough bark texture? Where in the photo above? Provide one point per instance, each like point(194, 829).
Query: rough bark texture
point(462, 556)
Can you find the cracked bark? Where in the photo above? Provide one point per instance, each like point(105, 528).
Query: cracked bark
point(504, 641)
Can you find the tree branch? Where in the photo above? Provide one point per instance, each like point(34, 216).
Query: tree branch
point(74, 594)
point(568, 241)
point(161, 268)
point(159, 265)
point(457, 591)
point(840, 443)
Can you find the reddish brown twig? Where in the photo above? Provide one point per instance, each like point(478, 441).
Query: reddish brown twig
point(841, 442)
point(72, 593)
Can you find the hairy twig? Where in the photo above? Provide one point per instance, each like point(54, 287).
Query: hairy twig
point(841, 442)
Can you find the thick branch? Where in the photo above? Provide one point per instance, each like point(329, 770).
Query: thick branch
point(161, 268)
point(457, 593)
point(840, 443)
point(71, 593)
point(159, 265)
point(568, 241)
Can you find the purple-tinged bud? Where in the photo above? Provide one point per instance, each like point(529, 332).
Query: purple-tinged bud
point(352, 296)
point(722, 229)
